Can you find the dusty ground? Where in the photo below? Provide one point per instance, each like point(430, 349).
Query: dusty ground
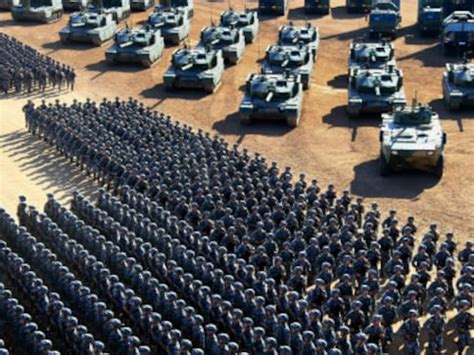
point(327, 145)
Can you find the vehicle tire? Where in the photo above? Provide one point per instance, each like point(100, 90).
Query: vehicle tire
point(147, 63)
point(245, 119)
point(384, 166)
point(96, 42)
point(453, 106)
point(64, 40)
point(293, 121)
point(439, 169)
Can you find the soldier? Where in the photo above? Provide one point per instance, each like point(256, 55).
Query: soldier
point(410, 331)
point(463, 322)
point(436, 327)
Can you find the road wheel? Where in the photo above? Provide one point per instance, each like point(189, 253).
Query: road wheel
point(439, 169)
point(384, 166)
point(245, 119)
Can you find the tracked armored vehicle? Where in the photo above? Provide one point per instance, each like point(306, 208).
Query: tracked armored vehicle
point(246, 20)
point(458, 85)
point(45, 11)
point(458, 33)
point(8, 4)
point(358, 6)
point(371, 55)
point(322, 7)
point(139, 46)
point(75, 5)
point(290, 59)
point(230, 41)
point(384, 19)
point(412, 137)
point(308, 35)
point(430, 16)
point(173, 23)
point(89, 26)
point(277, 7)
point(198, 68)
point(272, 96)
point(187, 6)
point(375, 91)
point(120, 9)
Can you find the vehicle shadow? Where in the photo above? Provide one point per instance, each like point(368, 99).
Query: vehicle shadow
point(338, 117)
point(298, 13)
point(231, 125)
point(439, 106)
point(340, 13)
point(360, 33)
point(430, 57)
point(160, 93)
point(338, 82)
point(413, 36)
point(367, 182)
point(102, 67)
point(58, 45)
point(45, 166)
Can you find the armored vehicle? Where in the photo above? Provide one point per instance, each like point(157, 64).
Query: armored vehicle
point(75, 5)
point(198, 68)
point(272, 96)
point(384, 18)
point(317, 7)
point(186, 5)
point(44, 11)
point(290, 59)
point(230, 41)
point(358, 6)
point(143, 46)
point(412, 137)
point(371, 55)
point(277, 7)
point(458, 85)
point(375, 91)
point(458, 33)
point(246, 20)
point(90, 26)
point(120, 9)
point(291, 35)
point(430, 15)
point(449, 6)
point(173, 23)
point(8, 4)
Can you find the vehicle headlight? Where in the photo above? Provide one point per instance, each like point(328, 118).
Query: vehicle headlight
point(430, 153)
point(395, 152)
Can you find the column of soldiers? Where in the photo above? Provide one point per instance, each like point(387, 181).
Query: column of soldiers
point(332, 273)
point(24, 69)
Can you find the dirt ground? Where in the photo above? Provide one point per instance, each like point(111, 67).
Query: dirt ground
point(327, 145)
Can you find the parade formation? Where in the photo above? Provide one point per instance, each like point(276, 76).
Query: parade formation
point(189, 244)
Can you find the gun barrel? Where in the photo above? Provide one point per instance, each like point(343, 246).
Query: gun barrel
point(269, 96)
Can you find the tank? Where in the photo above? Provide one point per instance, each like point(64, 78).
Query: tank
point(358, 6)
point(412, 137)
point(277, 7)
point(197, 68)
point(91, 26)
point(75, 5)
point(371, 55)
point(186, 5)
point(272, 96)
point(246, 20)
point(375, 91)
point(458, 33)
point(8, 4)
point(384, 19)
point(173, 23)
point(136, 46)
point(430, 16)
point(291, 35)
point(230, 41)
point(296, 60)
point(317, 7)
point(45, 11)
point(120, 9)
point(458, 85)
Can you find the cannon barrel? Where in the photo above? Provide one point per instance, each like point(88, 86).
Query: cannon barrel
point(269, 96)
point(187, 66)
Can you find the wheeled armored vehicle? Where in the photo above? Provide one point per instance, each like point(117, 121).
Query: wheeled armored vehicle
point(272, 96)
point(458, 85)
point(230, 41)
point(458, 33)
point(290, 59)
point(143, 46)
point(44, 11)
point(198, 68)
point(322, 7)
point(277, 7)
point(90, 26)
point(358, 6)
point(375, 91)
point(173, 23)
point(384, 19)
point(246, 20)
point(430, 16)
point(292, 35)
point(412, 137)
point(371, 55)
